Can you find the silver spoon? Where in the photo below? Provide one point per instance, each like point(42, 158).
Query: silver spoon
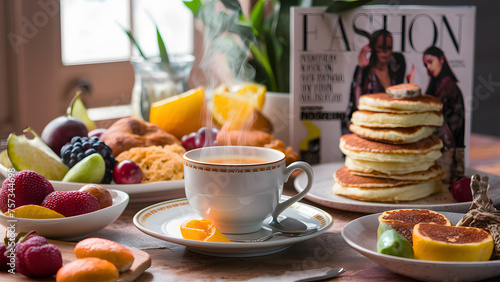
point(329, 274)
point(288, 225)
point(272, 235)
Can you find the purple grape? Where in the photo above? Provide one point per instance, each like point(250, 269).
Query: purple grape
point(188, 141)
point(204, 137)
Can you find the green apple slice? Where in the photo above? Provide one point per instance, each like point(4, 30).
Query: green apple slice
point(78, 110)
point(4, 159)
point(90, 169)
point(34, 154)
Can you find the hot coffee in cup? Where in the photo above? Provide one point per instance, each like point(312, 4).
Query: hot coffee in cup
point(237, 187)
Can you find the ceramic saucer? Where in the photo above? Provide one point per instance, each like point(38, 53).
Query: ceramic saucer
point(163, 221)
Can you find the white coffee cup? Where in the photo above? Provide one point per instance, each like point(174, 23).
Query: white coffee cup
point(238, 196)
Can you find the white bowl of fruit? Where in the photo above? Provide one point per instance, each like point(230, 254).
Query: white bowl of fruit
point(28, 202)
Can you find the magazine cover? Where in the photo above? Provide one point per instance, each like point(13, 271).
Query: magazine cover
point(333, 59)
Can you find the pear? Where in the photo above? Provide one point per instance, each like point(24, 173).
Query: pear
point(90, 169)
point(34, 154)
point(78, 110)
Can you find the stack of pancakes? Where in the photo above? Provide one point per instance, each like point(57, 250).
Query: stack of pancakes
point(392, 154)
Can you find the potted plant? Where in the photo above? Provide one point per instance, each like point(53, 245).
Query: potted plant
point(258, 44)
point(159, 77)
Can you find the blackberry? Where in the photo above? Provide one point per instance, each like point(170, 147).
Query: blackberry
point(81, 147)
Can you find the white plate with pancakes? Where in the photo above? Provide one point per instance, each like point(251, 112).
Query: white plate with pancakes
point(321, 193)
point(361, 235)
point(142, 192)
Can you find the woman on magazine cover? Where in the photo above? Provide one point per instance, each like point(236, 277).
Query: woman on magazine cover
point(443, 85)
point(373, 75)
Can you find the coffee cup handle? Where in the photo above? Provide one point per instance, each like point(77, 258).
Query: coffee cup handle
point(286, 174)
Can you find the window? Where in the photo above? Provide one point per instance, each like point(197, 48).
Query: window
point(44, 68)
point(92, 31)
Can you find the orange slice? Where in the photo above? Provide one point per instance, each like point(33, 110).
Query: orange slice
point(34, 211)
point(236, 105)
point(253, 91)
point(202, 230)
point(403, 220)
point(117, 254)
point(451, 243)
point(87, 269)
point(181, 114)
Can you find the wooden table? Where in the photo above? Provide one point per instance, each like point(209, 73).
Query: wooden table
point(172, 262)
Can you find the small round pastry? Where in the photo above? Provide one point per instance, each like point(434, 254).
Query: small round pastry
point(88, 269)
point(109, 250)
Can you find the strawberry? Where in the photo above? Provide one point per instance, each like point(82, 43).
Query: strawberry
point(24, 188)
point(3, 258)
point(71, 203)
point(35, 257)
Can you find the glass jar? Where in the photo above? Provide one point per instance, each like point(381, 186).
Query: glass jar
point(155, 81)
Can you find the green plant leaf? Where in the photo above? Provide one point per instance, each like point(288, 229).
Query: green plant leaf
point(257, 16)
point(233, 5)
point(339, 6)
point(236, 55)
point(321, 2)
point(161, 46)
point(229, 22)
point(132, 39)
point(274, 51)
point(278, 29)
point(243, 30)
point(215, 22)
point(264, 61)
point(193, 5)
